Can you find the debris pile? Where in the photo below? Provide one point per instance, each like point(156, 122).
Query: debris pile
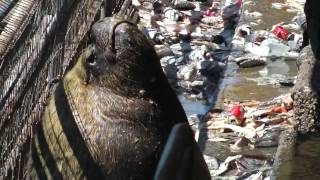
point(248, 125)
point(192, 39)
point(256, 47)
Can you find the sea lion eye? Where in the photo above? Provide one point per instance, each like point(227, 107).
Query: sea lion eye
point(91, 60)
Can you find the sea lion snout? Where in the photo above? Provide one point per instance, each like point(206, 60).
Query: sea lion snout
point(104, 32)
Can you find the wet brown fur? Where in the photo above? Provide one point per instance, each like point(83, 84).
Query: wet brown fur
point(111, 115)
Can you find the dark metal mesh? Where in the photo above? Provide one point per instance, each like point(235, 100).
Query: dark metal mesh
point(39, 39)
point(116, 5)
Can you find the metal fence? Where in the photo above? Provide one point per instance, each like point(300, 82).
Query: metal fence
point(39, 39)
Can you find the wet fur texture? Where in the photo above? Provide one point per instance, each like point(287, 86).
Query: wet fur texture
point(111, 115)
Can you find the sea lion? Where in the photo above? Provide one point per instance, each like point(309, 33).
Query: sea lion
point(111, 115)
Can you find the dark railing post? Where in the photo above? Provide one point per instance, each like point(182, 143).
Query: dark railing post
point(108, 6)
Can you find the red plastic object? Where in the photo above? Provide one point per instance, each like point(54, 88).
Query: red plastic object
point(280, 32)
point(209, 12)
point(237, 111)
point(239, 2)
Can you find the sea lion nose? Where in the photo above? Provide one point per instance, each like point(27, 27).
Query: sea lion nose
point(103, 32)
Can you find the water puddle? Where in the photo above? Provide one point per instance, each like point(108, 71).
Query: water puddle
point(258, 83)
point(193, 107)
point(304, 164)
point(270, 16)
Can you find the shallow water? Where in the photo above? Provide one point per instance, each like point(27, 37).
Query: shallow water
point(258, 83)
point(305, 161)
point(271, 15)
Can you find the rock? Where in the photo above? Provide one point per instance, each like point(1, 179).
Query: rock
point(182, 47)
point(218, 39)
point(186, 72)
point(165, 60)
point(254, 15)
point(170, 71)
point(212, 20)
point(196, 35)
point(157, 7)
point(262, 51)
point(306, 93)
point(199, 54)
point(277, 48)
point(163, 51)
point(194, 119)
point(270, 137)
point(279, 5)
point(292, 26)
point(243, 30)
point(225, 165)
point(287, 82)
point(197, 84)
point(213, 69)
point(291, 55)
point(250, 61)
point(203, 65)
point(158, 38)
point(238, 44)
point(194, 15)
point(169, 68)
point(268, 48)
point(301, 21)
point(180, 61)
point(304, 56)
point(231, 11)
point(212, 162)
point(136, 3)
point(184, 6)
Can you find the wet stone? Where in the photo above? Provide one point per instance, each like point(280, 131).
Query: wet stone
point(250, 61)
point(186, 72)
point(197, 84)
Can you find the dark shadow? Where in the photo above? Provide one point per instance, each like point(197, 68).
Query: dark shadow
point(216, 94)
point(70, 128)
point(56, 136)
point(181, 158)
point(49, 159)
point(312, 13)
point(313, 27)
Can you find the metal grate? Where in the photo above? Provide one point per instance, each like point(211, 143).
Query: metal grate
point(39, 39)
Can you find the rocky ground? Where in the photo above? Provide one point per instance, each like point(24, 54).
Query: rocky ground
point(258, 45)
point(197, 42)
point(192, 40)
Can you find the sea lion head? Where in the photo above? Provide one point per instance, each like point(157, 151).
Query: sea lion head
point(122, 58)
